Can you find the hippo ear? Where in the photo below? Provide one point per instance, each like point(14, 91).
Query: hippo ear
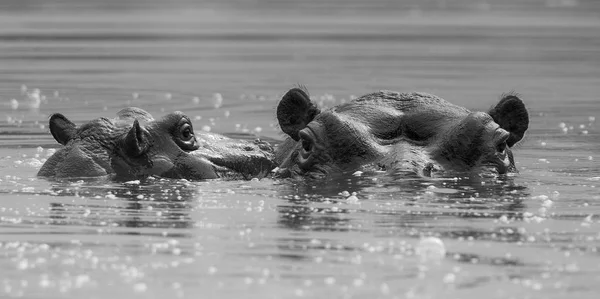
point(136, 142)
point(511, 115)
point(62, 129)
point(295, 111)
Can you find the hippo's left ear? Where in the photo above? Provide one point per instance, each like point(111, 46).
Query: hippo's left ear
point(511, 115)
point(295, 111)
point(136, 142)
point(62, 129)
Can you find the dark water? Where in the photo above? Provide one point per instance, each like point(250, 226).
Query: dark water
point(532, 235)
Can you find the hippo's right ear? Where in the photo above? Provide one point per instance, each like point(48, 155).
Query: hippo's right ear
point(511, 115)
point(62, 129)
point(295, 111)
point(136, 142)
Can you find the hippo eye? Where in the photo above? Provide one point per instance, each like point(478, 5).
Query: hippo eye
point(186, 132)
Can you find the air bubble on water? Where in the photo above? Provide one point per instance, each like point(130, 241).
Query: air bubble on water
point(582, 126)
point(80, 280)
point(34, 98)
point(547, 203)
point(217, 100)
point(257, 130)
point(329, 280)
point(56, 94)
point(357, 173)
point(584, 132)
point(45, 282)
point(14, 104)
point(197, 117)
point(135, 95)
point(449, 278)
point(572, 268)
point(196, 100)
point(168, 96)
point(357, 282)
point(352, 199)
point(592, 119)
point(206, 128)
point(140, 287)
point(384, 288)
point(23, 89)
point(212, 270)
point(565, 130)
point(23, 264)
point(227, 113)
point(39, 149)
point(503, 219)
point(543, 143)
point(431, 249)
point(590, 158)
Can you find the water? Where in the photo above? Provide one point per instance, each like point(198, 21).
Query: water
point(532, 235)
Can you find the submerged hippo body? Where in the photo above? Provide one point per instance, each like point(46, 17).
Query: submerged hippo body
point(386, 130)
point(135, 145)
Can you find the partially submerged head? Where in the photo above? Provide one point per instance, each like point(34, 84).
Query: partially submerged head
point(389, 130)
point(135, 145)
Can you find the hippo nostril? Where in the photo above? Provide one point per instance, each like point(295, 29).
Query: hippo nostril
point(306, 145)
point(501, 136)
point(501, 147)
point(307, 140)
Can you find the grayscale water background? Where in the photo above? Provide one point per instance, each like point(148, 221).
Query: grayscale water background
point(532, 235)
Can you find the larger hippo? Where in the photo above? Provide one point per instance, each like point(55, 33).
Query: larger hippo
point(387, 130)
point(135, 145)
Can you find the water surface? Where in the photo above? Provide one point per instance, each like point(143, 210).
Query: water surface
point(535, 234)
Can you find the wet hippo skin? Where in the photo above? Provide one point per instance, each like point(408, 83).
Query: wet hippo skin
point(386, 130)
point(135, 145)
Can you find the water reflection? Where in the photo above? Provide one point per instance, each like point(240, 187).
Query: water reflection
point(412, 208)
point(152, 203)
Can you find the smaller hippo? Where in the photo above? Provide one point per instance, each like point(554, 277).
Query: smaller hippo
point(386, 130)
point(135, 145)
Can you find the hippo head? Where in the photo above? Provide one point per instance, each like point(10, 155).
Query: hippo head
point(389, 130)
point(135, 145)
point(162, 148)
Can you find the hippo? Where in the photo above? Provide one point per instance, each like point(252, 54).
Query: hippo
point(414, 132)
point(135, 146)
